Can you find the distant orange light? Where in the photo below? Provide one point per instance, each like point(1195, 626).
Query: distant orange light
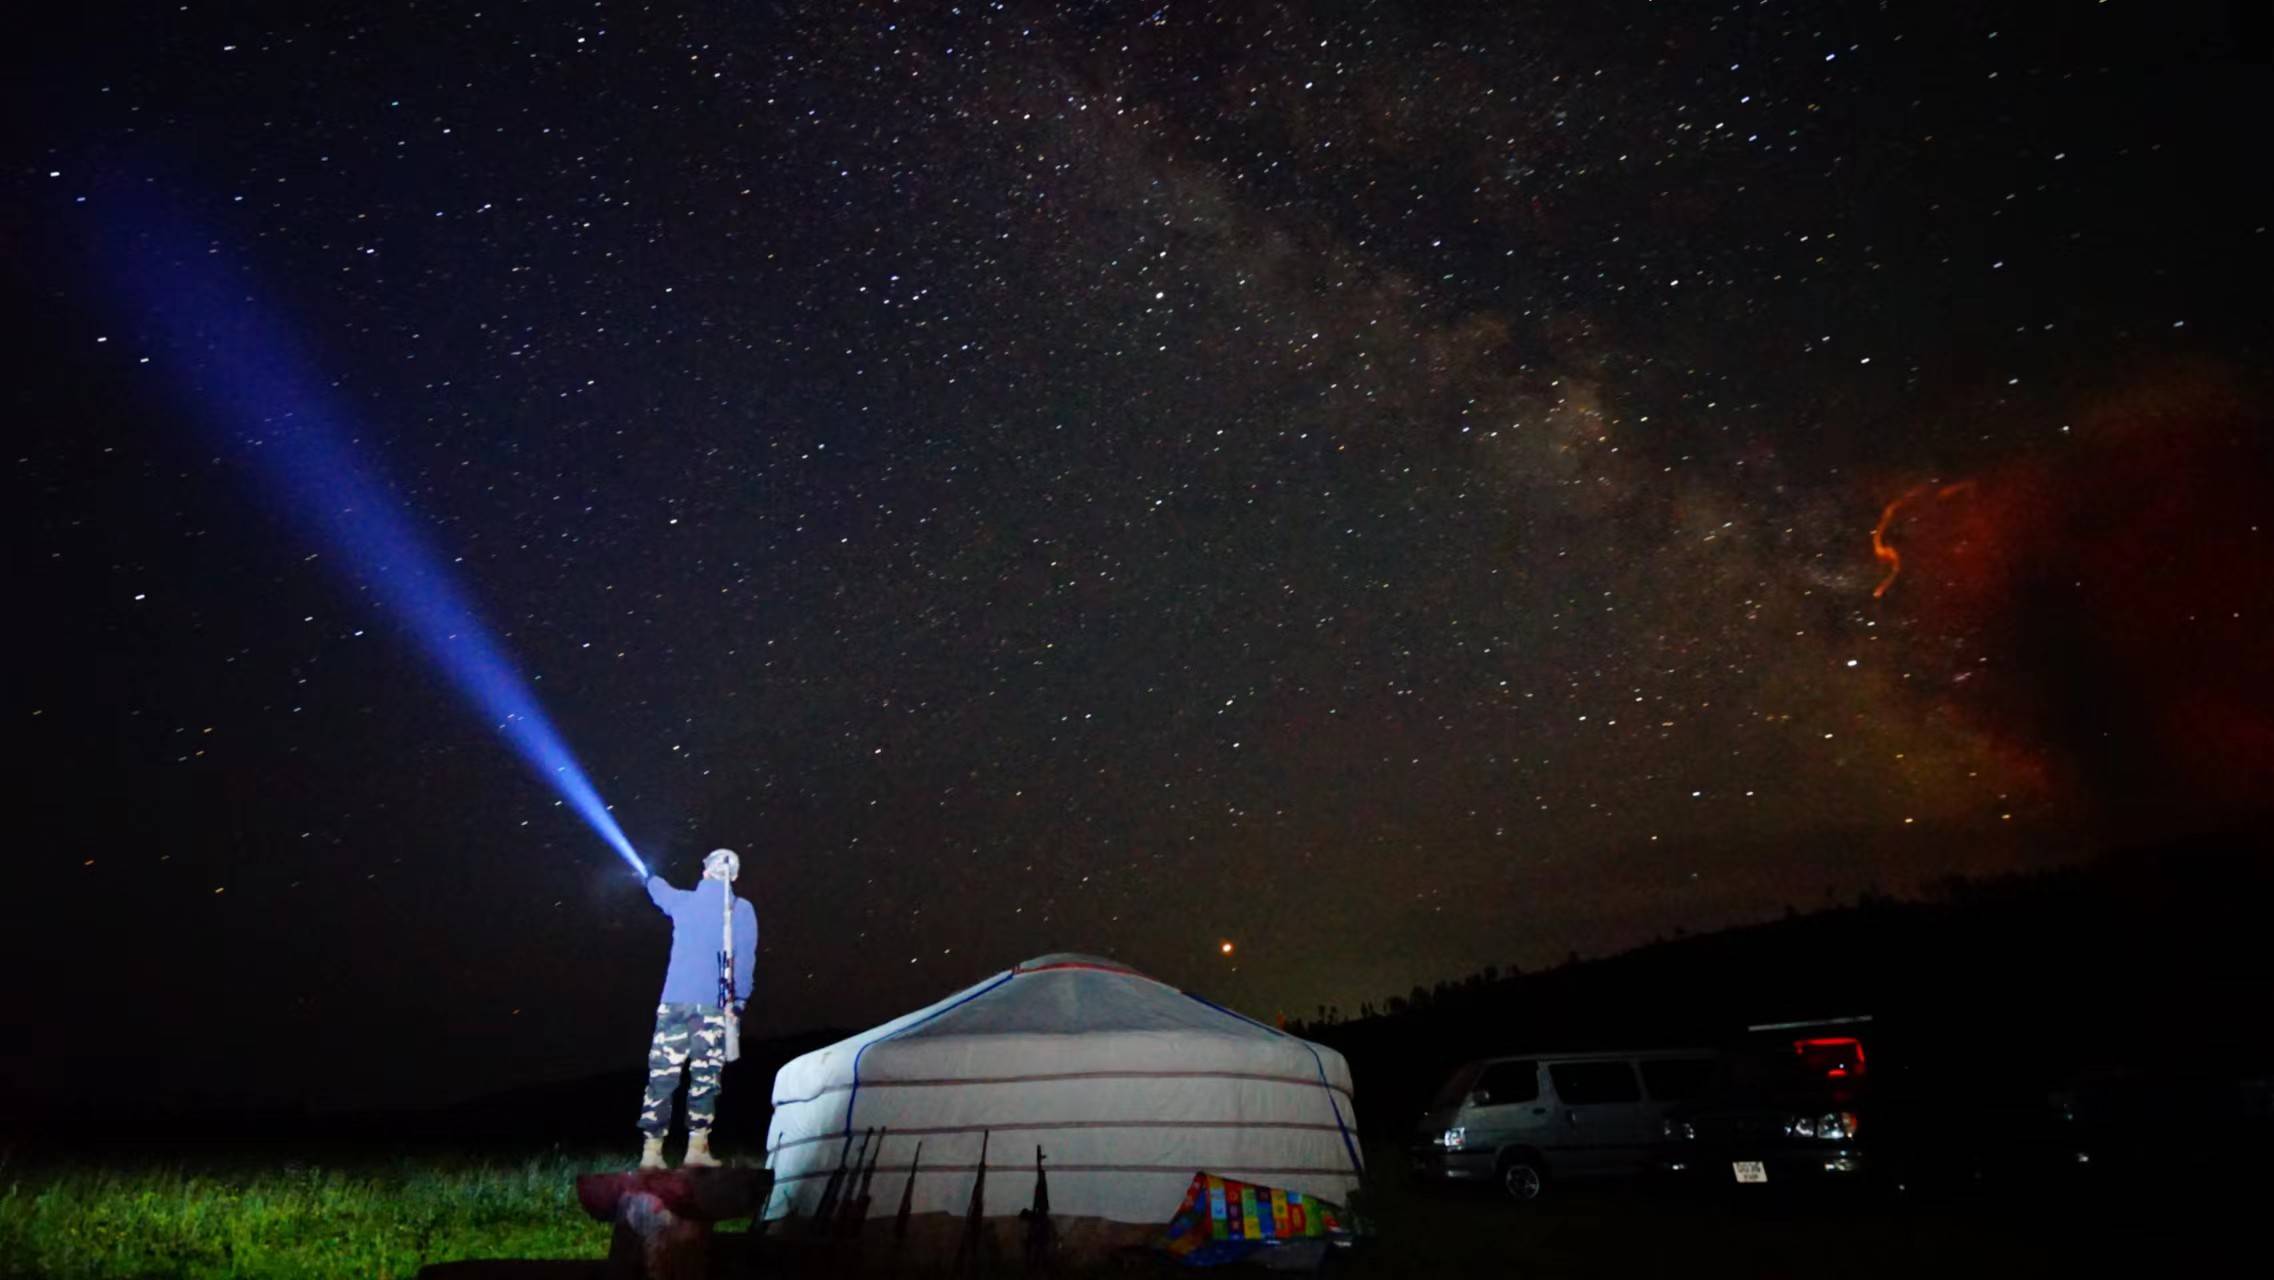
point(1225, 946)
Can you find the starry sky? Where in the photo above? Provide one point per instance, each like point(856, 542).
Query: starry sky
point(1396, 487)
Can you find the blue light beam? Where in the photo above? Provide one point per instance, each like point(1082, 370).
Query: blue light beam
point(233, 357)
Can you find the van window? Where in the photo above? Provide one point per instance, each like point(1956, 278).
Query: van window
point(1675, 1079)
point(1506, 1082)
point(1457, 1086)
point(1580, 1083)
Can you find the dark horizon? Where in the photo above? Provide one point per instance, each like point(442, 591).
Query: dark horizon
point(2157, 1003)
point(1395, 488)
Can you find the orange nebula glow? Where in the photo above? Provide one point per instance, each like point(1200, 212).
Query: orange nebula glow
point(1880, 548)
point(1884, 553)
point(2111, 573)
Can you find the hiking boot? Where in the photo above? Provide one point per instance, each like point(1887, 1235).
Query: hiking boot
point(651, 1154)
point(699, 1152)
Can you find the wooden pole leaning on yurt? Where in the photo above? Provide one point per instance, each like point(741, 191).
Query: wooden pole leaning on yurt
point(1041, 1233)
point(856, 1210)
point(846, 1197)
point(970, 1249)
point(825, 1213)
point(907, 1197)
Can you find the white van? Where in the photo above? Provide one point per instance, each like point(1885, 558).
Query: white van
point(1528, 1119)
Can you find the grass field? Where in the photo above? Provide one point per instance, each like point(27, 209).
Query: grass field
point(244, 1213)
point(241, 1215)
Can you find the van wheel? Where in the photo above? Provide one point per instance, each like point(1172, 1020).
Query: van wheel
point(1523, 1176)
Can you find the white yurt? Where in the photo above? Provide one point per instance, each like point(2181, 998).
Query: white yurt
point(1128, 1085)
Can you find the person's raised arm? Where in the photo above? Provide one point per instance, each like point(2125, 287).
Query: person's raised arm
point(660, 892)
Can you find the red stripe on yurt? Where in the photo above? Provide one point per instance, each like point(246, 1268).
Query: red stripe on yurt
point(1300, 1081)
point(1037, 1126)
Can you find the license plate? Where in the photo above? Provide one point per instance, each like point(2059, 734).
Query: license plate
point(1750, 1170)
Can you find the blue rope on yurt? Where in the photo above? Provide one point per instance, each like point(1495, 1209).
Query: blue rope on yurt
point(854, 1095)
point(1356, 1163)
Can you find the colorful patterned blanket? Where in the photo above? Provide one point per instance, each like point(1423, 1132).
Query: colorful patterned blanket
point(1223, 1220)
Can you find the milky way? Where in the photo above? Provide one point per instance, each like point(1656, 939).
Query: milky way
point(1396, 488)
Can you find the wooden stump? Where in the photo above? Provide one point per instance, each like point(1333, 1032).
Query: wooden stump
point(663, 1217)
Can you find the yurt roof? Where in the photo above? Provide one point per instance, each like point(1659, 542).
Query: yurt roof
point(1068, 1006)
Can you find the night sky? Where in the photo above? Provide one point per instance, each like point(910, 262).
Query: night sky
point(1396, 487)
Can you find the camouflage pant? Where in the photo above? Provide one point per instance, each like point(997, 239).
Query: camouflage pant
point(690, 1037)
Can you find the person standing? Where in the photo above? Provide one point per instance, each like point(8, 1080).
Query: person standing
point(702, 992)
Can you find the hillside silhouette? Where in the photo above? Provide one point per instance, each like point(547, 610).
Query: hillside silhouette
point(2150, 960)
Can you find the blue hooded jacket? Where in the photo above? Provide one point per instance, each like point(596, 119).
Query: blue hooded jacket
point(693, 977)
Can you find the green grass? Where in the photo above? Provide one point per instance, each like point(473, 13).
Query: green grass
point(240, 1216)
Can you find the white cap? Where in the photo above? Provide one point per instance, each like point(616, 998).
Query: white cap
point(727, 856)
